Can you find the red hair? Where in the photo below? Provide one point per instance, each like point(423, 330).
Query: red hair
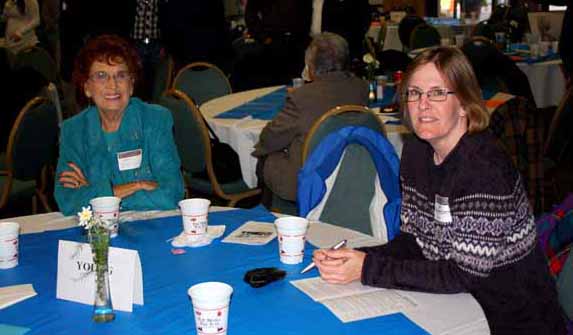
point(110, 49)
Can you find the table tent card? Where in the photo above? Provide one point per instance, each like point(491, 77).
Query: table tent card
point(76, 275)
point(252, 233)
point(10, 295)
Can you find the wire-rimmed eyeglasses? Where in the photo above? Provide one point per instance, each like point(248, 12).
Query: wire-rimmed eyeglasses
point(435, 94)
point(101, 77)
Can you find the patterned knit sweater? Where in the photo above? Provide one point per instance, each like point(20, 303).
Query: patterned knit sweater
point(467, 227)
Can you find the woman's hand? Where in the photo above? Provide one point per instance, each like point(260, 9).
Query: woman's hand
point(339, 266)
point(127, 189)
point(73, 178)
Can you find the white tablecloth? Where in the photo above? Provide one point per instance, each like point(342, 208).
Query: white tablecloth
point(546, 81)
point(243, 134)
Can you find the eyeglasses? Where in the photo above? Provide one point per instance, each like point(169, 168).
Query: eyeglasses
point(101, 77)
point(435, 94)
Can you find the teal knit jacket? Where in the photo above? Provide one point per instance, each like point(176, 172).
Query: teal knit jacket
point(144, 126)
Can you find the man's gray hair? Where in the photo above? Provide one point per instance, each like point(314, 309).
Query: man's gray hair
point(327, 52)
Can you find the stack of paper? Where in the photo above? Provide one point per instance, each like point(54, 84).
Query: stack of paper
point(10, 295)
point(252, 233)
point(355, 301)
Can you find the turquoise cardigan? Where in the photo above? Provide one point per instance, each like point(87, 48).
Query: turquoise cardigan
point(144, 126)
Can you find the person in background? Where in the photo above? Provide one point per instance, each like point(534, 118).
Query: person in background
point(347, 18)
point(281, 27)
point(280, 144)
point(22, 17)
point(466, 223)
point(118, 145)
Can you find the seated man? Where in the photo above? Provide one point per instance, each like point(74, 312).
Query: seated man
point(280, 145)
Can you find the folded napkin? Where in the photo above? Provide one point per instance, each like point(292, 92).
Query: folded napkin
point(183, 240)
point(10, 295)
point(262, 108)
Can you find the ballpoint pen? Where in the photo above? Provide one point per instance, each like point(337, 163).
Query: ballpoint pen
point(335, 247)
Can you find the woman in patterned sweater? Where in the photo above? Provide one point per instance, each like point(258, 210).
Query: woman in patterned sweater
point(466, 221)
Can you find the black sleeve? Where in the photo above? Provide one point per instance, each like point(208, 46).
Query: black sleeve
point(400, 264)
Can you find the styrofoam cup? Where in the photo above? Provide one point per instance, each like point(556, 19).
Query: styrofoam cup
point(107, 209)
point(445, 41)
point(555, 46)
point(534, 50)
point(297, 82)
point(291, 231)
point(211, 307)
point(9, 244)
point(194, 215)
point(460, 40)
point(544, 47)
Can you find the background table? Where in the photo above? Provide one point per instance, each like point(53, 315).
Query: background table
point(278, 308)
point(546, 81)
point(243, 134)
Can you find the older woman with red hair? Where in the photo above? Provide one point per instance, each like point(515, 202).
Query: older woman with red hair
point(118, 145)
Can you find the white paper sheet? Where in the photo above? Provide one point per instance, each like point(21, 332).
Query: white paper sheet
point(324, 235)
point(355, 301)
point(252, 233)
point(10, 295)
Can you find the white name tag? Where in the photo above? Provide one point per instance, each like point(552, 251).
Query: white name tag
point(76, 275)
point(129, 160)
point(442, 209)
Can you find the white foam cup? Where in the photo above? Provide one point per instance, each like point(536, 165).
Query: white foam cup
point(460, 40)
point(444, 41)
point(9, 244)
point(211, 307)
point(297, 82)
point(194, 214)
point(534, 50)
point(291, 231)
point(107, 209)
point(544, 47)
point(555, 46)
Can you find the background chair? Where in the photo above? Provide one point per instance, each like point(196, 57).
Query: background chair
point(495, 71)
point(202, 82)
point(32, 147)
point(39, 60)
point(194, 146)
point(519, 131)
point(424, 36)
point(343, 155)
point(405, 28)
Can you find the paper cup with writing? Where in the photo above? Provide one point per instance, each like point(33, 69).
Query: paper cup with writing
point(291, 231)
point(107, 209)
point(9, 244)
point(194, 214)
point(211, 307)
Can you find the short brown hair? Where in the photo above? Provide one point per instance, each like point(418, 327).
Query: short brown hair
point(111, 49)
point(458, 73)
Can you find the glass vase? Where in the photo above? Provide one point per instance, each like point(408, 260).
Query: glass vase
point(99, 241)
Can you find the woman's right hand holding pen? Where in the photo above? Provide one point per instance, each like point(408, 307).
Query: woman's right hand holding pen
point(340, 266)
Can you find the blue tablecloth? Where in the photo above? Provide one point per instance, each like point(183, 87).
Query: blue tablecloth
point(263, 108)
point(278, 308)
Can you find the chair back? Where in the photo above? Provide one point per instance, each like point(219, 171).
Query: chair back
point(360, 191)
point(406, 27)
point(202, 82)
point(33, 140)
point(558, 144)
point(163, 77)
point(336, 118)
point(39, 60)
point(519, 131)
point(424, 36)
point(190, 133)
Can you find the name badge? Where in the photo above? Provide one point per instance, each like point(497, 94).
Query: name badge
point(129, 160)
point(442, 209)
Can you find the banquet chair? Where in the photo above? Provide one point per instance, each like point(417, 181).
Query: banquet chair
point(350, 171)
point(163, 77)
point(424, 36)
point(405, 28)
point(194, 146)
point(32, 148)
point(202, 82)
point(39, 60)
point(518, 129)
